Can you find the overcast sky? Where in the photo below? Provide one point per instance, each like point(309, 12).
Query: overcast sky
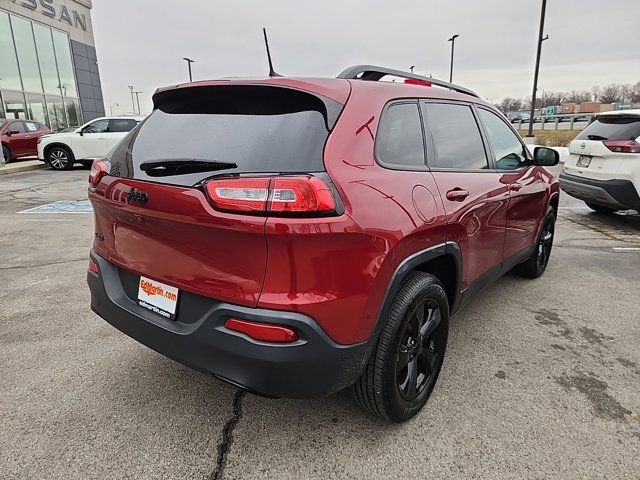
point(142, 42)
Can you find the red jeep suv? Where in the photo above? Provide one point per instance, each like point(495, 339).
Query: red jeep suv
point(298, 236)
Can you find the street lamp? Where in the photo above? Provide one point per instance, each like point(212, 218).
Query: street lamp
point(138, 100)
point(541, 39)
point(411, 68)
point(189, 62)
point(453, 42)
point(133, 104)
point(111, 108)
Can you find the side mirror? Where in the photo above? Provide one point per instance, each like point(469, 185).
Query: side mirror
point(81, 133)
point(545, 157)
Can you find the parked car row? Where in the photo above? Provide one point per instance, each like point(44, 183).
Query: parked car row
point(61, 150)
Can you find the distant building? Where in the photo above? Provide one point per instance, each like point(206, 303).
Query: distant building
point(48, 68)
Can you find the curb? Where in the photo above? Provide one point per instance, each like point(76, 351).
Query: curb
point(22, 167)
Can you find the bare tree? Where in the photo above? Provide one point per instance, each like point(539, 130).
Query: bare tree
point(610, 93)
point(510, 104)
point(626, 92)
point(577, 96)
point(551, 99)
point(635, 93)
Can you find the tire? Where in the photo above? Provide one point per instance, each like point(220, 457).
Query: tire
point(60, 158)
point(535, 265)
point(601, 209)
point(6, 153)
point(406, 362)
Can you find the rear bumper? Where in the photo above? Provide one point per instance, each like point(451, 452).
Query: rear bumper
point(311, 367)
point(620, 194)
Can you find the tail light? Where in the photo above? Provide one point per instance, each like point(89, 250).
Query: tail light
point(277, 195)
point(264, 332)
point(99, 169)
point(622, 146)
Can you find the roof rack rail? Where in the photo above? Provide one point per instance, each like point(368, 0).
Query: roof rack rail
point(373, 73)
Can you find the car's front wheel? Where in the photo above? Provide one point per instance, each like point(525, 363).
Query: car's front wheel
point(6, 153)
point(601, 209)
point(60, 158)
point(406, 362)
point(537, 263)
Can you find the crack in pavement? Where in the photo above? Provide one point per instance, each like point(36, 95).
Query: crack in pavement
point(227, 435)
point(606, 230)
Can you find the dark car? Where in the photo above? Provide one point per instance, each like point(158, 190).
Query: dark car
point(20, 138)
point(298, 236)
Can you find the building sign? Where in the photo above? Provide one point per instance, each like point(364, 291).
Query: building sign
point(60, 12)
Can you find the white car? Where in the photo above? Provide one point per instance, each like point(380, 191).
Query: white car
point(86, 143)
point(603, 167)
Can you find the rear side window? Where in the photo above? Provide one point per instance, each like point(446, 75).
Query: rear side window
point(257, 129)
point(122, 125)
point(31, 126)
point(400, 139)
point(618, 127)
point(456, 137)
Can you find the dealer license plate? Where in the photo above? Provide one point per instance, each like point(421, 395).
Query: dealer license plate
point(158, 297)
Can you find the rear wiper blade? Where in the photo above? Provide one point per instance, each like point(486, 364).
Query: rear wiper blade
point(596, 137)
point(183, 166)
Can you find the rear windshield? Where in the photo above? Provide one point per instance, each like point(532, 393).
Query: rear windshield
point(612, 128)
point(256, 129)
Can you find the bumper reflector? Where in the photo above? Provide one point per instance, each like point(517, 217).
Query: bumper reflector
point(264, 332)
point(93, 267)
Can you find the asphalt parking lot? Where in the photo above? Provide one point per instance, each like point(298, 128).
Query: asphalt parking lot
point(541, 378)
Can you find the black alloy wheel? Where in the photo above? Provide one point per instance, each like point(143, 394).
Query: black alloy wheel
point(421, 350)
point(404, 366)
point(535, 265)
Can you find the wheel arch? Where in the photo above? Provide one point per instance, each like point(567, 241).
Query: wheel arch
point(47, 148)
point(444, 261)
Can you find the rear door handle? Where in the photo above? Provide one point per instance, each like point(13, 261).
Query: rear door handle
point(515, 186)
point(457, 194)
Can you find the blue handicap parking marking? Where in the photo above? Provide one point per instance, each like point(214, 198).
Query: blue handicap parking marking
point(62, 206)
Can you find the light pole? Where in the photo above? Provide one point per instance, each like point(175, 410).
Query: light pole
point(411, 68)
point(453, 42)
point(535, 75)
point(138, 100)
point(189, 62)
point(111, 108)
point(133, 104)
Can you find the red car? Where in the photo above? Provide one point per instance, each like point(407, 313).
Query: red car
point(298, 236)
point(20, 138)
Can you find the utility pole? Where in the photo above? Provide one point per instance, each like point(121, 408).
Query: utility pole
point(453, 42)
point(541, 39)
point(189, 62)
point(138, 100)
point(133, 104)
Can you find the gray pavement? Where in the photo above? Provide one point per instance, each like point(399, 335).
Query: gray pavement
point(541, 378)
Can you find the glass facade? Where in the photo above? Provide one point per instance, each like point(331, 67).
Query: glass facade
point(37, 79)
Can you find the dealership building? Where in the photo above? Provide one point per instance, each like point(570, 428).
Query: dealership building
point(48, 64)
